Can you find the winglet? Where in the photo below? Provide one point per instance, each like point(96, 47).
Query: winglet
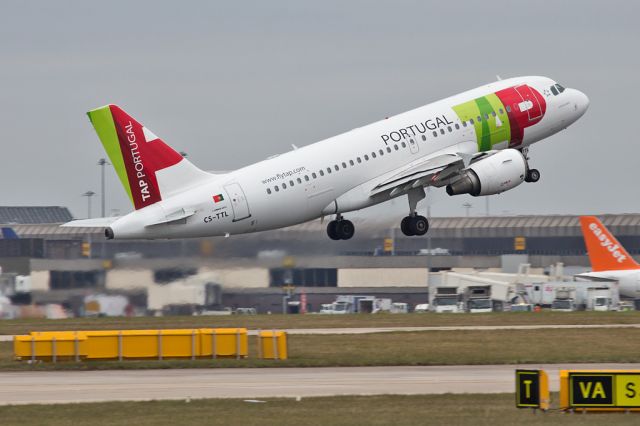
point(605, 251)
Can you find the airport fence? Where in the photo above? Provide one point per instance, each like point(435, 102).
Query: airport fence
point(122, 345)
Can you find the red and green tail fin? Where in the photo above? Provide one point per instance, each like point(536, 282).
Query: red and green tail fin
point(148, 168)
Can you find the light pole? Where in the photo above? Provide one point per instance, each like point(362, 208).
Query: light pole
point(467, 206)
point(102, 162)
point(89, 194)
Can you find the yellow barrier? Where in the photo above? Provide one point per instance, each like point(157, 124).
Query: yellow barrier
point(224, 342)
point(133, 344)
point(51, 346)
point(272, 344)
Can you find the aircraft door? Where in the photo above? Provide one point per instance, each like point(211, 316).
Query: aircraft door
point(238, 201)
point(529, 102)
point(413, 145)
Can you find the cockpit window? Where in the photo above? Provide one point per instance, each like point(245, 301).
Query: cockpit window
point(554, 90)
point(560, 88)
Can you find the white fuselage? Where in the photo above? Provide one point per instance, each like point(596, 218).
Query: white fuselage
point(336, 175)
point(628, 280)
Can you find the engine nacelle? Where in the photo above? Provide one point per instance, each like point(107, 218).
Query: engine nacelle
point(498, 173)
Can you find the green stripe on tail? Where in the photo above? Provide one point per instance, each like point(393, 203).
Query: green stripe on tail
point(102, 121)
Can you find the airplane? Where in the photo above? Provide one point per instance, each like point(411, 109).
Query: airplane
point(608, 257)
point(475, 142)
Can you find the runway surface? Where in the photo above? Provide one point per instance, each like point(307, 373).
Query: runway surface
point(140, 385)
point(368, 330)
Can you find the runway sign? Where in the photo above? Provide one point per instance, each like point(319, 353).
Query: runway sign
point(532, 389)
point(600, 390)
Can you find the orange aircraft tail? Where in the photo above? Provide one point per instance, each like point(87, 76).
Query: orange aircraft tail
point(605, 252)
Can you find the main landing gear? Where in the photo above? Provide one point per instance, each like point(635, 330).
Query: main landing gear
point(340, 229)
point(414, 224)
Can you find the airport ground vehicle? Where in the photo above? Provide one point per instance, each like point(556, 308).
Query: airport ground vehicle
point(476, 142)
point(350, 304)
point(478, 299)
point(447, 300)
point(421, 308)
point(565, 299)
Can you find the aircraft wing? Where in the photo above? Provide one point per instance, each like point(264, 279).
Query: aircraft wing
point(435, 170)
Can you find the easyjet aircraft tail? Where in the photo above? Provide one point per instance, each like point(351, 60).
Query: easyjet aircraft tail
point(149, 169)
point(605, 252)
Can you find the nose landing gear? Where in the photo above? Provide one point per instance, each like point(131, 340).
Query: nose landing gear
point(532, 176)
point(340, 229)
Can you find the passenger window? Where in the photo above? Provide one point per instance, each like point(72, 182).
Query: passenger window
point(493, 113)
point(554, 90)
point(501, 111)
point(313, 175)
point(344, 165)
point(424, 138)
point(457, 126)
point(404, 145)
point(486, 116)
point(284, 186)
point(351, 162)
point(389, 149)
point(373, 155)
point(381, 152)
point(395, 147)
point(329, 170)
point(464, 124)
point(290, 183)
point(471, 121)
point(449, 129)
point(336, 167)
point(435, 134)
point(479, 119)
point(358, 160)
point(268, 190)
point(366, 157)
point(299, 180)
point(276, 188)
point(321, 172)
point(306, 177)
point(442, 131)
point(508, 108)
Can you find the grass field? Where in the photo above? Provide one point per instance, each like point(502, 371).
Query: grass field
point(408, 348)
point(23, 326)
point(469, 409)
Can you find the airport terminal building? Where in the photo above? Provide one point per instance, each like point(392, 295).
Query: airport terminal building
point(68, 262)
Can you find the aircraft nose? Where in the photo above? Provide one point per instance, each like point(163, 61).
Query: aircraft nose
point(581, 102)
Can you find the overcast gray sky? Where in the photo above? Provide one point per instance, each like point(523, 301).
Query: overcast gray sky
point(231, 83)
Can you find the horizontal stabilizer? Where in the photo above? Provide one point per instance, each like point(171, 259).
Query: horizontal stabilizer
point(174, 218)
point(98, 222)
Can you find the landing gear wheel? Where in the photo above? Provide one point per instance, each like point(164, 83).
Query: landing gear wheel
point(345, 229)
point(419, 225)
point(340, 229)
point(533, 175)
point(332, 230)
point(405, 226)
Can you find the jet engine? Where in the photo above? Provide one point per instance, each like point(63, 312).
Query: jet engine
point(500, 172)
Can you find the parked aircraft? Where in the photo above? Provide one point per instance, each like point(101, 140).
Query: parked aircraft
point(608, 258)
point(476, 142)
